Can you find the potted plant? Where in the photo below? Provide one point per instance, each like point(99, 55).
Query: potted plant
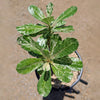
point(50, 53)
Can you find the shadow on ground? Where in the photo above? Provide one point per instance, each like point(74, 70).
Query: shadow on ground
point(59, 94)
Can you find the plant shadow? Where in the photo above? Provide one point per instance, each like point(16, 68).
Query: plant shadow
point(58, 94)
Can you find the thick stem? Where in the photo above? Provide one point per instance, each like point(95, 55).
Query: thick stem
point(48, 38)
point(48, 43)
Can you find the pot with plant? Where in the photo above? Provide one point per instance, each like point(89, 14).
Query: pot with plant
point(51, 55)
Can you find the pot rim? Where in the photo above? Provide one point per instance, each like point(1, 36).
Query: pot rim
point(81, 72)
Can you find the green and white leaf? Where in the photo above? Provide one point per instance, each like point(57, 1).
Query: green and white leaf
point(40, 70)
point(27, 43)
point(69, 12)
point(72, 63)
point(63, 73)
point(48, 20)
point(42, 41)
point(55, 38)
point(43, 32)
point(36, 12)
point(35, 54)
point(65, 29)
point(63, 60)
point(28, 29)
point(61, 23)
point(44, 84)
point(49, 9)
point(29, 65)
point(64, 48)
point(76, 64)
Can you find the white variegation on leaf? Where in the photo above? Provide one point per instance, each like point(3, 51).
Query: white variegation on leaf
point(63, 73)
point(67, 13)
point(46, 66)
point(64, 48)
point(29, 44)
point(61, 23)
point(55, 38)
point(44, 84)
point(28, 65)
point(65, 29)
point(29, 29)
point(48, 20)
point(36, 12)
point(42, 41)
point(76, 64)
point(49, 9)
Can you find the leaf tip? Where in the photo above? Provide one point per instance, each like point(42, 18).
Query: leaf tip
point(17, 27)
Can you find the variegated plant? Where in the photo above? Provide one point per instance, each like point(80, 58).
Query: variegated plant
point(50, 51)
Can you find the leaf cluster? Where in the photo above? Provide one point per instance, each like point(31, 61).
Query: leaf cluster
point(49, 52)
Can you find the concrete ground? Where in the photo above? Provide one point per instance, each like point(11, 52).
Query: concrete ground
point(87, 25)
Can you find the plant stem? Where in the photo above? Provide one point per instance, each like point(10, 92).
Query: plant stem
point(48, 38)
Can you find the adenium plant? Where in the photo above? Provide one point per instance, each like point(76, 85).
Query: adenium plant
point(50, 53)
